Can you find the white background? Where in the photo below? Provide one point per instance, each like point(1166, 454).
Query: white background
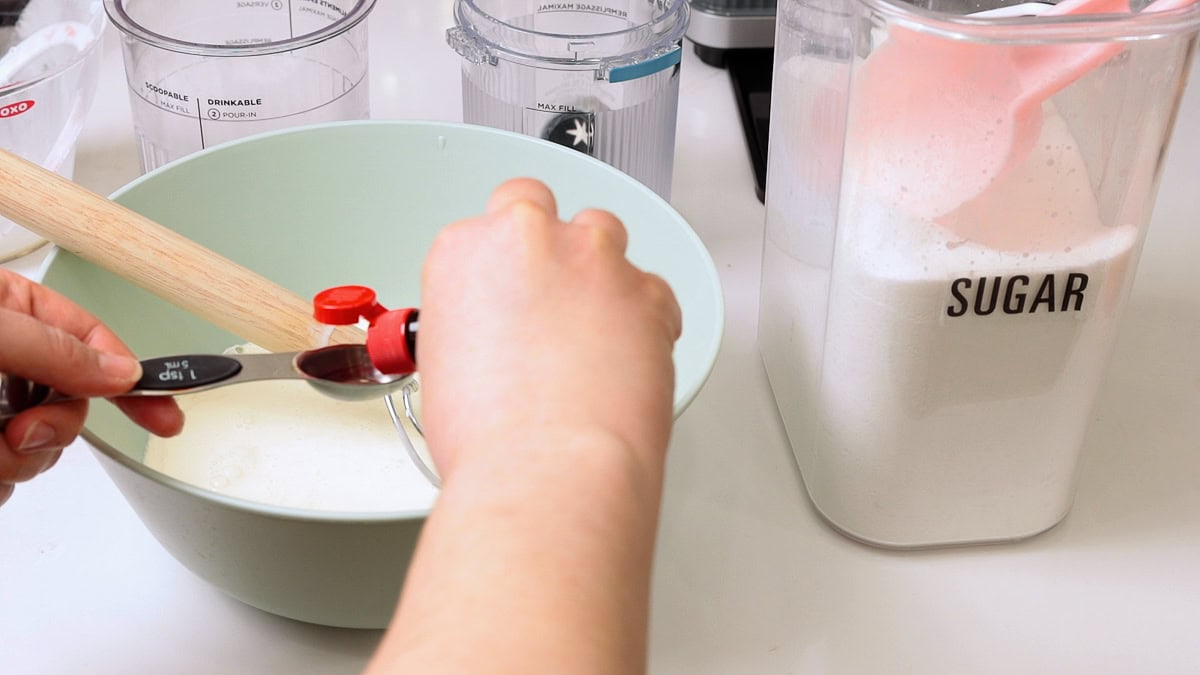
point(748, 579)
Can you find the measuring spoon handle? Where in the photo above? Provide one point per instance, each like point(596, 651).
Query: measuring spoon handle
point(161, 376)
point(169, 375)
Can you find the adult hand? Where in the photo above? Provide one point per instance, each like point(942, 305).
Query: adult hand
point(547, 389)
point(46, 338)
point(535, 325)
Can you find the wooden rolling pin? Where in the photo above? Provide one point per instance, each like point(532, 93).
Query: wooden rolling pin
point(159, 260)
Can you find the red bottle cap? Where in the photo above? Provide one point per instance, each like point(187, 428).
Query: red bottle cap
point(389, 343)
point(343, 305)
point(391, 339)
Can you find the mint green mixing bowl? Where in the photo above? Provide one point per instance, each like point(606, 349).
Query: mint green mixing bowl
point(310, 208)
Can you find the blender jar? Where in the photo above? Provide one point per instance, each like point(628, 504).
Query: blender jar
point(601, 78)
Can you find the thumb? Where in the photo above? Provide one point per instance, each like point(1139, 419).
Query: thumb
point(53, 357)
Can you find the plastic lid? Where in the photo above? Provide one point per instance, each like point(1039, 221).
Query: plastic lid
point(344, 305)
point(390, 341)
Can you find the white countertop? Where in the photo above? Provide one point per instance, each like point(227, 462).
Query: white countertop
point(748, 579)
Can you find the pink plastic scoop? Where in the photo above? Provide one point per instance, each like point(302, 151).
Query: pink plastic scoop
point(938, 120)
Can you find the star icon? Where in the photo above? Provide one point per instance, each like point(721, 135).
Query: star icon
point(575, 130)
point(581, 133)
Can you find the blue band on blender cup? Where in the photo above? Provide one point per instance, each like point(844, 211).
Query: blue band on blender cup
point(648, 67)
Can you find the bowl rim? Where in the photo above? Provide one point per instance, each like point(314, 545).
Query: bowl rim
point(710, 351)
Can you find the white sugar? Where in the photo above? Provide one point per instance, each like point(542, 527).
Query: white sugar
point(923, 411)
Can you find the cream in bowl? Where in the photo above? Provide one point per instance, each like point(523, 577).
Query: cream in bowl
point(282, 443)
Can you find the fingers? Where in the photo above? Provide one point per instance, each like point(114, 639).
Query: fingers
point(606, 228)
point(51, 340)
point(46, 340)
point(664, 298)
point(18, 467)
point(47, 306)
point(22, 468)
point(52, 356)
point(607, 231)
point(33, 442)
point(522, 190)
point(160, 416)
point(46, 427)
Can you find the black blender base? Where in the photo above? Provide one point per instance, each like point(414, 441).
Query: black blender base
point(713, 56)
point(750, 73)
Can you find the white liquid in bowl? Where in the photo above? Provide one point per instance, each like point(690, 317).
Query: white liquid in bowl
point(284, 444)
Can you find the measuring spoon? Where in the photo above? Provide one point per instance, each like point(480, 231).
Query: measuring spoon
point(939, 119)
point(343, 372)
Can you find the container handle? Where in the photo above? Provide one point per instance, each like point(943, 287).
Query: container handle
point(663, 59)
point(468, 47)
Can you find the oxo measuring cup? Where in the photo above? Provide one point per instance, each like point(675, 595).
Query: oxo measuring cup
point(48, 75)
point(202, 72)
point(956, 203)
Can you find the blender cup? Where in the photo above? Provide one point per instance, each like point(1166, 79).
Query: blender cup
point(602, 78)
point(48, 73)
point(955, 208)
point(203, 72)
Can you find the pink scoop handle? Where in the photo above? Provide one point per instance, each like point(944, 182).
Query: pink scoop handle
point(942, 119)
point(1044, 71)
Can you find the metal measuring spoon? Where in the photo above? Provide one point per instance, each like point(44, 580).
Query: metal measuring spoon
point(343, 372)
